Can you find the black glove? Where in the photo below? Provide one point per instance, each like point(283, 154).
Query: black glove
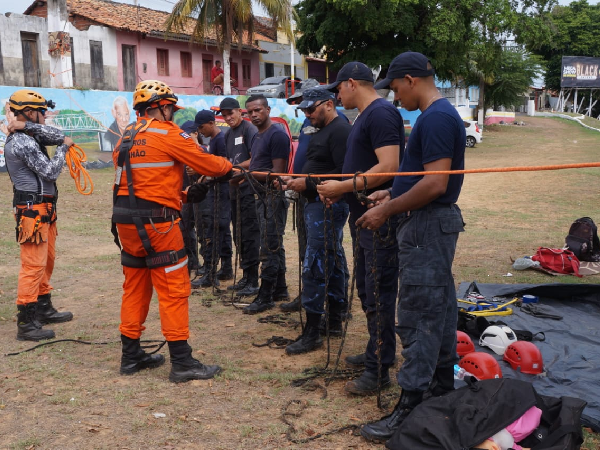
point(196, 193)
point(228, 176)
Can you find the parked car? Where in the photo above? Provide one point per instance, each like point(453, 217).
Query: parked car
point(272, 87)
point(473, 133)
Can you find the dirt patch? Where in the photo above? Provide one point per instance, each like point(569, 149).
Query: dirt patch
point(70, 395)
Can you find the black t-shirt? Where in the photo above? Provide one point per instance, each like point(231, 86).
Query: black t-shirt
point(378, 125)
point(273, 143)
point(326, 152)
point(216, 145)
point(239, 141)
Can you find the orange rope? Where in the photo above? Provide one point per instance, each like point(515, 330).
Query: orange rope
point(438, 172)
point(75, 157)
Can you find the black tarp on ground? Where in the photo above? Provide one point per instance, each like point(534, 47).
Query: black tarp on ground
point(571, 351)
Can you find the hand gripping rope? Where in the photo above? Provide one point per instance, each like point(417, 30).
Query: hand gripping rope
point(75, 158)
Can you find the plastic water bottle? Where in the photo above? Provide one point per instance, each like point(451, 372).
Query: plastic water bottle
point(460, 373)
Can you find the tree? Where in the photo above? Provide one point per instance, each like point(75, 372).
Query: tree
point(514, 72)
point(229, 20)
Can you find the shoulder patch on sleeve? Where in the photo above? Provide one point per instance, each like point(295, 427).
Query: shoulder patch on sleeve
point(184, 135)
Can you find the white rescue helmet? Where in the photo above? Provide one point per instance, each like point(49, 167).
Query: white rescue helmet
point(497, 338)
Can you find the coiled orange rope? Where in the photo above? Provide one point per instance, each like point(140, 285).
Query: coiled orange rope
point(75, 158)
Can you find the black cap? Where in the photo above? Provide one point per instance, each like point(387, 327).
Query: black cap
point(203, 117)
point(311, 96)
point(229, 103)
point(407, 63)
point(296, 97)
point(355, 70)
point(189, 127)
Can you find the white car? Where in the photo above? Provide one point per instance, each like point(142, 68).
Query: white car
point(473, 133)
point(274, 87)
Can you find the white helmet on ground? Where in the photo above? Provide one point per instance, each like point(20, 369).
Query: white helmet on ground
point(497, 338)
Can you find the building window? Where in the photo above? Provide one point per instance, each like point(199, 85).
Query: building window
point(73, 62)
point(97, 64)
point(186, 64)
point(287, 70)
point(162, 61)
point(269, 70)
point(246, 72)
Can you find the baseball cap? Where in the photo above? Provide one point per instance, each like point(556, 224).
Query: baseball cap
point(407, 63)
point(189, 127)
point(311, 96)
point(355, 70)
point(203, 117)
point(229, 103)
point(296, 97)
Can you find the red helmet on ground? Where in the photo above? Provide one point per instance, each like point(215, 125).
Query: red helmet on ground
point(525, 356)
point(464, 344)
point(481, 365)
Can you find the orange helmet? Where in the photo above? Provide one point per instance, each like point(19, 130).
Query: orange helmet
point(464, 344)
point(26, 98)
point(482, 365)
point(153, 91)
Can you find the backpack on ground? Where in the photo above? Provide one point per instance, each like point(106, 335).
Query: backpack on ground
point(466, 417)
point(583, 240)
point(557, 260)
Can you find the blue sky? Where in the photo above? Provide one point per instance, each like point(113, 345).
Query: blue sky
point(165, 5)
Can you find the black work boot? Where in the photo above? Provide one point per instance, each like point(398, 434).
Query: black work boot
point(309, 340)
point(337, 312)
point(46, 313)
point(184, 367)
point(294, 305)
point(241, 284)
point(251, 287)
point(442, 382)
point(281, 291)
point(28, 327)
point(263, 301)
point(134, 358)
point(383, 429)
point(356, 361)
point(225, 273)
point(205, 281)
point(366, 384)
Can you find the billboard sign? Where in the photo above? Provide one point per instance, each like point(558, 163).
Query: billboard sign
point(580, 72)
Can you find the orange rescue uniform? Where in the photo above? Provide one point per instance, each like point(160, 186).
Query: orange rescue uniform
point(158, 156)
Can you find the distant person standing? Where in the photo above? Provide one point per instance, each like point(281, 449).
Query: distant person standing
point(216, 74)
point(121, 113)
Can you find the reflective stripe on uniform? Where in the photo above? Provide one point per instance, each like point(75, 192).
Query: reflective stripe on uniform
point(177, 266)
point(156, 164)
point(157, 130)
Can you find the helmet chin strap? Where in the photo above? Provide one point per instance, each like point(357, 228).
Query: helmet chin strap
point(37, 119)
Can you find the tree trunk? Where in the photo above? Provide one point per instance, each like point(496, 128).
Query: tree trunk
point(226, 70)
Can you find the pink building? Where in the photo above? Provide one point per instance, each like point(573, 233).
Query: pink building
point(143, 50)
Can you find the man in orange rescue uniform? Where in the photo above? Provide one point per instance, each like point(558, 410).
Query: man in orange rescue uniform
point(152, 153)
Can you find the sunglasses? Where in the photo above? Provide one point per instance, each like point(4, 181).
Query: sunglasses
point(313, 108)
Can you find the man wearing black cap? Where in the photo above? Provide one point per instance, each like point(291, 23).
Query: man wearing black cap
point(270, 153)
point(374, 146)
point(324, 271)
point(217, 242)
point(427, 237)
point(238, 140)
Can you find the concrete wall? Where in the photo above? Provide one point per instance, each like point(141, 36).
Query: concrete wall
point(81, 54)
point(146, 62)
point(12, 56)
point(279, 56)
point(12, 52)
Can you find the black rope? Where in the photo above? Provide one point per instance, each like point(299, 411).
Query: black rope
point(283, 320)
point(154, 343)
point(276, 342)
